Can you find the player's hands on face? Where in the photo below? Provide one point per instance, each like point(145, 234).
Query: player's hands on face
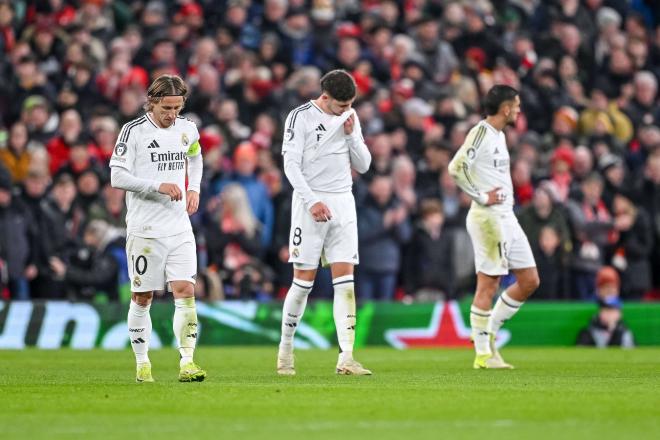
point(172, 190)
point(320, 212)
point(495, 196)
point(192, 198)
point(349, 124)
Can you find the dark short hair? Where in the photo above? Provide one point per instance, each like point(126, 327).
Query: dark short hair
point(496, 96)
point(339, 84)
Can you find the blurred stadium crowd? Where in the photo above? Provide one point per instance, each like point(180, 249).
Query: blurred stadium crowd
point(585, 152)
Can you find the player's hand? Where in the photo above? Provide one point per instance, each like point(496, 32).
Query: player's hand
point(349, 124)
point(172, 190)
point(192, 198)
point(495, 196)
point(320, 212)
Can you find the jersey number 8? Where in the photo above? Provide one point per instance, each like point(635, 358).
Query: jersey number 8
point(297, 236)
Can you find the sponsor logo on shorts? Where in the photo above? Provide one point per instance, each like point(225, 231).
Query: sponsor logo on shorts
point(295, 252)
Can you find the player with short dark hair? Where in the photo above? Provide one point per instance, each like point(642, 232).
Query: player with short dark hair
point(322, 142)
point(481, 168)
point(149, 162)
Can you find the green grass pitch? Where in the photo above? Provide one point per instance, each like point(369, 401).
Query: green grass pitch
point(554, 393)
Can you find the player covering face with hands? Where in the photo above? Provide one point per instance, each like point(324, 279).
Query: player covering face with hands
point(150, 161)
point(322, 142)
point(481, 168)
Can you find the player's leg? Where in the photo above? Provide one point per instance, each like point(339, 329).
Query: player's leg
point(185, 330)
point(139, 333)
point(480, 314)
point(489, 241)
point(292, 312)
point(521, 261)
point(344, 313)
point(145, 271)
point(510, 301)
point(181, 272)
point(305, 245)
point(341, 251)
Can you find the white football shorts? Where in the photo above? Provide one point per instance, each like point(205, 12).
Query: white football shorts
point(154, 261)
point(499, 242)
point(334, 241)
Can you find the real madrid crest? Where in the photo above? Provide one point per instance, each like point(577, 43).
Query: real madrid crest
point(137, 282)
point(184, 140)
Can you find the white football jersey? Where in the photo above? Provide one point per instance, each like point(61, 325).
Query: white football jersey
point(326, 163)
point(159, 154)
point(482, 164)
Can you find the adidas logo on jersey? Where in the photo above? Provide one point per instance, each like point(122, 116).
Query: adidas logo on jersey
point(154, 144)
point(320, 128)
point(497, 151)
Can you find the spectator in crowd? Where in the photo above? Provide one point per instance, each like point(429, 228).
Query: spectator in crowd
point(68, 133)
point(633, 248)
point(648, 198)
point(62, 220)
point(429, 264)
point(614, 175)
point(592, 223)
point(551, 264)
point(233, 244)
point(403, 183)
point(546, 227)
point(245, 166)
point(643, 107)
point(15, 156)
point(96, 268)
point(110, 207)
point(14, 241)
point(383, 227)
point(607, 328)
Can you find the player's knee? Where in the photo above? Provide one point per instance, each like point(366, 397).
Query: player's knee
point(183, 290)
point(531, 282)
point(143, 299)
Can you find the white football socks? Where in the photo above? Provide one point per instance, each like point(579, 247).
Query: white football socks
point(504, 309)
point(139, 331)
point(292, 312)
point(479, 322)
point(344, 313)
point(185, 327)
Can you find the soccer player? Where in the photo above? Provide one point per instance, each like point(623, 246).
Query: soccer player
point(149, 162)
point(322, 142)
point(481, 169)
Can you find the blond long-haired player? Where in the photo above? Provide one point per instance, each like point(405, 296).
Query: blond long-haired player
point(150, 161)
